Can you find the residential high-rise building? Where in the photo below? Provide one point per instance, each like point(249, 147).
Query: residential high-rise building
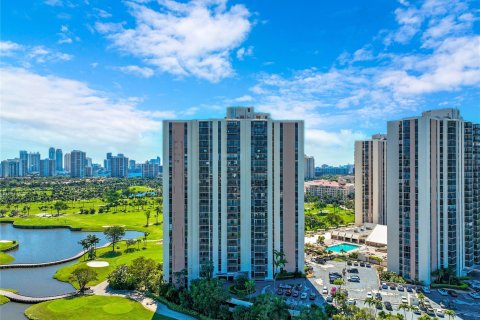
point(150, 170)
point(33, 162)
point(23, 162)
point(131, 164)
point(78, 162)
point(233, 194)
point(51, 153)
point(59, 160)
point(433, 203)
point(119, 166)
point(370, 180)
point(106, 162)
point(309, 167)
point(47, 168)
point(67, 161)
point(12, 168)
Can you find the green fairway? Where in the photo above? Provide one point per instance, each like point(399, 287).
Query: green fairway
point(131, 216)
point(3, 300)
point(153, 251)
point(329, 216)
point(6, 258)
point(91, 307)
point(6, 245)
point(138, 189)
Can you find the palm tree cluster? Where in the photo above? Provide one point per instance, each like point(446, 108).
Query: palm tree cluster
point(89, 245)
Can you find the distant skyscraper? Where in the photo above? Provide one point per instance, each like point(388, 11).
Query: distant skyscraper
point(78, 162)
point(131, 164)
point(47, 168)
point(59, 160)
point(24, 162)
point(309, 167)
point(33, 162)
point(106, 162)
point(233, 193)
point(119, 166)
point(51, 153)
point(67, 161)
point(433, 203)
point(11, 168)
point(150, 170)
point(370, 180)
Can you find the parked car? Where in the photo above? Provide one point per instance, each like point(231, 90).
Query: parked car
point(355, 263)
point(384, 285)
point(400, 288)
point(288, 292)
point(443, 292)
point(329, 299)
point(416, 310)
point(430, 311)
point(354, 279)
point(279, 291)
point(333, 291)
point(393, 286)
point(295, 293)
point(349, 263)
point(362, 264)
point(325, 290)
point(443, 303)
point(379, 305)
point(426, 289)
point(388, 305)
point(335, 274)
point(303, 296)
point(369, 295)
point(378, 296)
point(453, 293)
point(368, 265)
point(351, 301)
point(352, 270)
point(404, 300)
point(312, 296)
point(409, 289)
point(440, 313)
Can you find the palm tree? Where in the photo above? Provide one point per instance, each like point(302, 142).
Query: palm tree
point(383, 315)
point(279, 261)
point(424, 317)
point(371, 302)
point(339, 282)
point(405, 307)
point(157, 212)
point(85, 245)
point(450, 313)
point(93, 241)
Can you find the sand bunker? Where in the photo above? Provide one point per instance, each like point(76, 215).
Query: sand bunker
point(98, 264)
point(5, 241)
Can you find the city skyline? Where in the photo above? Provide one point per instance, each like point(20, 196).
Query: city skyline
point(345, 68)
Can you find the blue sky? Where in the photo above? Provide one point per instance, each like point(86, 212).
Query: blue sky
point(101, 75)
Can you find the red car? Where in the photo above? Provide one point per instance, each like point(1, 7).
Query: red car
point(333, 290)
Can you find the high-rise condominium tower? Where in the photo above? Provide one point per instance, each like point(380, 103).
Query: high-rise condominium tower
point(233, 193)
point(59, 160)
point(67, 161)
point(433, 203)
point(119, 166)
point(78, 162)
point(309, 167)
point(47, 168)
point(370, 180)
point(51, 153)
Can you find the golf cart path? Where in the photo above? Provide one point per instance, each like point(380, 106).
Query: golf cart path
point(102, 289)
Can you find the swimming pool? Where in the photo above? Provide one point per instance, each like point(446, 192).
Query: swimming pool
point(343, 246)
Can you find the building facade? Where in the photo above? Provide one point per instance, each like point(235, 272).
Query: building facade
point(370, 180)
point(33, 162)
point(12, 168)
point(433, 194)
point(309, 167)
point(24, 162)
point(59, 160)
point(67, 161)
point(47, 168)
point(119, 166)
point(150, 170)
point(78, 162)
point(51, 153)
point(329, 189)
point(233, 193)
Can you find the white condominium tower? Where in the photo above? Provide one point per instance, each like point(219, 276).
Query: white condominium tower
point(433, 193)
point(370, 180)
point(232, 194)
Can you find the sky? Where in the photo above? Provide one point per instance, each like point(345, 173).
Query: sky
point(100, 76)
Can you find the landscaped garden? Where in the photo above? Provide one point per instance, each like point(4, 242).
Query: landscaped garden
point(91, 307)
point(319, 215)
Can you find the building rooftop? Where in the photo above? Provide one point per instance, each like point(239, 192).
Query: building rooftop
point(326, 183)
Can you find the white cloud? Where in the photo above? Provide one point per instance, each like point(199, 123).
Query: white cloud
point(73, 115)
point(184, 39)
point(244, 98)
point(244, 52)
point(40, 54)
point(8, 48)
point(136, 70)
point(66, 36)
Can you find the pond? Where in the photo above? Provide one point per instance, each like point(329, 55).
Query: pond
point(13, 311)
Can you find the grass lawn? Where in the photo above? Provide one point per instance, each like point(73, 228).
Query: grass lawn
point(91, 307)
point(3, 300)
point(5, 258)
point(153, 251)
point(140, 189)
point(132, 219)
point(6, 245)
point(348, 216)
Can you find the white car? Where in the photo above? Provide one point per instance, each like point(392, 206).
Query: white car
point(440, 313)
point(426, 289)
point(325, 290)
point(404, 300)
point(303, 295)
point(443, 292)
point(351, 301)
point(369, 295)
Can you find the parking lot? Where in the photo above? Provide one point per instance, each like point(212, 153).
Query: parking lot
point(465, 306)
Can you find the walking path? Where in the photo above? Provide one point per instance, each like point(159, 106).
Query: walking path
point(150, 304)
point(46, 264)
point(25, 299)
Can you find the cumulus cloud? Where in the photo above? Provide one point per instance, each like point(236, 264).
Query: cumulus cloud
point(136, 70)
point(244, 52)
point(27, 54)
point(71, 114)
point(8, 48)
point(184, 39)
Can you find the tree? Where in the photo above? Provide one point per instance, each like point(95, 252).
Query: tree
point(371, 302)
point(145, 236)
point(312, 313)
point(405, 307)
point(60, 206)
point(268, 306)
point(157, 212)
point(141, 271)
point(250, 287)
point(121, 279)
point(207, 296)
point(206, 270)
point(114, 234)
point(147, 215)
point(92, 240)
point(130, 242)
point(339, 282)
point(84, 275)
point(85, 245)
point(321, 240)
point(279, 261)
point(451, 314)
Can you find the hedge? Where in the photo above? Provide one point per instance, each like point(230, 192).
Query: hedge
point(463, 286)
point(178, 308)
